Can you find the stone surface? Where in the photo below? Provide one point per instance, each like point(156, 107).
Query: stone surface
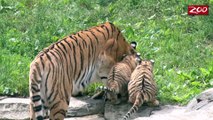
point(116, 112)
point(89, 117)
point(18, 108)
point(14, 108)
point(169, 112)
point(85, 106)
point(201, 101)
point(200, 108)
point(166, 112)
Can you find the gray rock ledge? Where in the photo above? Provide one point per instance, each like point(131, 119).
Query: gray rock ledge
point(18, 108)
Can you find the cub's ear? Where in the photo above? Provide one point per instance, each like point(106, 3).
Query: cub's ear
point(133, 44)
point(138, 54)
point(124, 55)
point(152, 61)
point(138, 57)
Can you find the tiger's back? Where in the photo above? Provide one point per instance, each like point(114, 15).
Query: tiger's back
point(66, 67)
point(142, 87)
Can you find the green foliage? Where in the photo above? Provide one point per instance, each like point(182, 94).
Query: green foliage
point(181, 45)
point(91, 90)
point(14, 74)
point(183, 84)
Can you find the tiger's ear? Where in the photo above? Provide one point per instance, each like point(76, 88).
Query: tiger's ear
point(138, 54)
point(138, 57)
point(152, 61)
point(124, 55)
point(133, 44)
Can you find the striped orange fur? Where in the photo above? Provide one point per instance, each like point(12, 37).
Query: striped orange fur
point(66, 67)
point(119, 78)
point(142, 87)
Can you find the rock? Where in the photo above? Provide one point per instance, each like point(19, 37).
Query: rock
point(166, 112)
point(200, 108)
point(203, 101)
point(89, 117)
point(116, 112)
point(14, 108)
point(84, 106)
point(18, 108)
point(169, 112)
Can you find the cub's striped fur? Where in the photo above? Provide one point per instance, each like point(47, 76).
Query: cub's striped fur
point(119, 77)
point(142, 87)
point(66, 67)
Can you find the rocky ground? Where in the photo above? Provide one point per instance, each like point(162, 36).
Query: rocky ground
point(84, 108)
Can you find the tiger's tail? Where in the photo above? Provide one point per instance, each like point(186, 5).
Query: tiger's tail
point(36, 105)
point(138, 102)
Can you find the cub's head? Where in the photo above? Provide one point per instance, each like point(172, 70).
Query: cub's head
point(149, 64)
point(132, 60)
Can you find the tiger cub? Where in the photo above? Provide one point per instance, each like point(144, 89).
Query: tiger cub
point(142, 87)
point(119, 77)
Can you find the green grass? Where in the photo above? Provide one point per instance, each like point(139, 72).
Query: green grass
point(14, 74)
point(181, 45)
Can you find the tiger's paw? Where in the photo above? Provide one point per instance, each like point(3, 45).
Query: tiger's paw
point(154, 103)
point(98, 95)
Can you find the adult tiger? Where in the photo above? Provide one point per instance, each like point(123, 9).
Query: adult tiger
point(142, 87)
point(66, 67)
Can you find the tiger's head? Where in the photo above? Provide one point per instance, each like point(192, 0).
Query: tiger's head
point(117, 48)
point(108, 58)
point(124, 48)
point(132, 60)
point(149, 64)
